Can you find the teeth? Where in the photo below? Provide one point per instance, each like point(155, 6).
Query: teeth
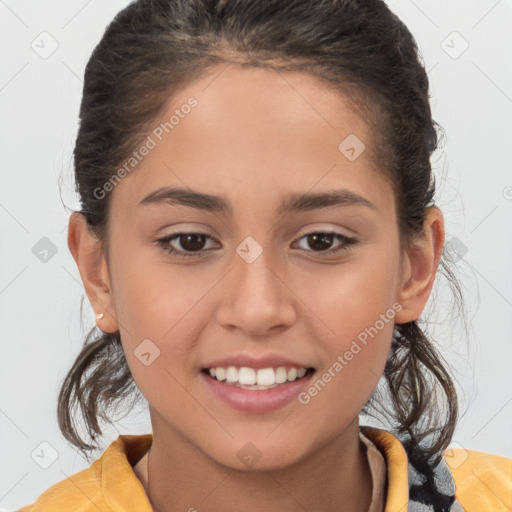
point(262, 378)
point(232, 374)
point(281, 375)
point(266, 377)
point(292, 373)
point(247, 376)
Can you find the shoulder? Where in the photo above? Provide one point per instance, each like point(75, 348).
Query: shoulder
point(80, 492)
point(109, 483)
point(482, 481)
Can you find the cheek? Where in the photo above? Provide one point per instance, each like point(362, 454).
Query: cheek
point(353, 308)
point(348, 297)
point(157, 308)
point(356, 358)
point(151, 297)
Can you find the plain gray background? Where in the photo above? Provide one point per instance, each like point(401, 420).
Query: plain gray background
point(466, 48)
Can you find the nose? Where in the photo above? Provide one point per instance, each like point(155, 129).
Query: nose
point(256, 297)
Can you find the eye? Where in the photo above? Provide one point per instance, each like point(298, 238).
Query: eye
point(192, 244)
point(323, 239)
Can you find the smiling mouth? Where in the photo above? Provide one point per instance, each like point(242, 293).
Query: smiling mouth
point(257, 379)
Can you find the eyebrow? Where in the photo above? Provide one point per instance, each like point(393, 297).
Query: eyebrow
point(220, 204)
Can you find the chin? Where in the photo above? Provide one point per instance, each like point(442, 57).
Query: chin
point(259, 455)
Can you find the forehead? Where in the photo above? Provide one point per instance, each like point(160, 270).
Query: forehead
point(256, 130)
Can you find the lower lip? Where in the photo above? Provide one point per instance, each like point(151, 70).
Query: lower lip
point(252, 400)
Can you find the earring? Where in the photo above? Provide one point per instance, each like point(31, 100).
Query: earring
point(99, 316)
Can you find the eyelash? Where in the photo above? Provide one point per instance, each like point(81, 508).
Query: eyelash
point(163, 243)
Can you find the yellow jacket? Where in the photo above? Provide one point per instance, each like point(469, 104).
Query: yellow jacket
point(483, 482)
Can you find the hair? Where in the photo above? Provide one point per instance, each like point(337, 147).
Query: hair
point(153, 48)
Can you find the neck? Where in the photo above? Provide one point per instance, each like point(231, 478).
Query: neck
point(178, 477)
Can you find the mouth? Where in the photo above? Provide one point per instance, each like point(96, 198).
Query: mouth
point(256, 384)
point(257, 379)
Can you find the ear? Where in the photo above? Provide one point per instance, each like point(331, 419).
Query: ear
point(420, 265)
point(88, 255)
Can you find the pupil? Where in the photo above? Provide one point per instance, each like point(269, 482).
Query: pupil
point(321, 236)
point(191, 246)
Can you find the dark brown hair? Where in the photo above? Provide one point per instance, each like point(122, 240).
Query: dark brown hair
point(154, 47)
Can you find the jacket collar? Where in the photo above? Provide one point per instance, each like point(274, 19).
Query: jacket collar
point(397, 498)
point(117, 474)
point(121, 488)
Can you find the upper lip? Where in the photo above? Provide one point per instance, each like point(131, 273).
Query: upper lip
point(267, 361)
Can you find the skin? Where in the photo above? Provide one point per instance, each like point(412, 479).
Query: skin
point(255, 136)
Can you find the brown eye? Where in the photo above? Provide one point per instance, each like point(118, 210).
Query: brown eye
point(191, 244)
point(322, 241)
point(192, 241)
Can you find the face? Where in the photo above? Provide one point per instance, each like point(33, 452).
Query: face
point(256, 284)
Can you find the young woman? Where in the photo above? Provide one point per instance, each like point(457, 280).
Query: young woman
point(258, 239)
